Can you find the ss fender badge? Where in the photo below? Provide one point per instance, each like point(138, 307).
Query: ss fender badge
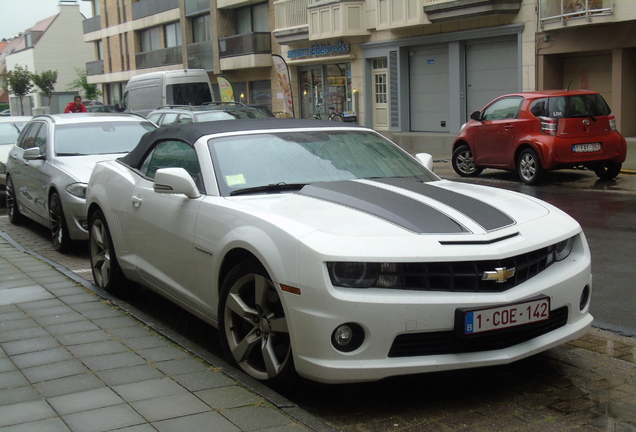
point(499, 275)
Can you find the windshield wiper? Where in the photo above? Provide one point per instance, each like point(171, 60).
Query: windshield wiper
point(274, 187)
point(584, 115)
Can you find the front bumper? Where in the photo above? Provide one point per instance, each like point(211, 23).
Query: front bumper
point(385, 315)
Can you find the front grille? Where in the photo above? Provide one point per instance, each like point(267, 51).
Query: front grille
point(449, 342)
point(467, 276)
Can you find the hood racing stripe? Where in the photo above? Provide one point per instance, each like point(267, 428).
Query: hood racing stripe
point(487, 216)
point(393, 207)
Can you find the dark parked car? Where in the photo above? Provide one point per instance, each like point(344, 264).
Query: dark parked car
point(535, 132)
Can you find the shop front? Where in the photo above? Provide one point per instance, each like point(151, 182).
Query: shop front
point(324, 81)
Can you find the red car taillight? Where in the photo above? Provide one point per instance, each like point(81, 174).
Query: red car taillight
point(549, 125)
point(612, 122)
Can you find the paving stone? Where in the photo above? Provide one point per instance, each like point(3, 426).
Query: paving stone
point(103, 419)
point(25, 412)
point(131, 374)
point(229, 397)
point(68, 385)
point(51, 371)
point(30, 345)
point(113, 361)
point(253, 418)
point(85, 401)
point(167, 407)
point(149, 389)
point(208, 379)
point(39, 358)
point(209, 421)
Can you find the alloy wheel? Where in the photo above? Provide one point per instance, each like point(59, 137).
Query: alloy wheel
point(254, 327)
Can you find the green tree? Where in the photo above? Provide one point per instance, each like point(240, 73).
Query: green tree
point(90, 90)
point(46, 82)
point(18, 83)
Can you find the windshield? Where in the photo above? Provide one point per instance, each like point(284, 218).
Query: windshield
point(229, 115)
point(9, 132)
point(99, 138)
point(578, 106)
point(188, 94)
point(249, 161)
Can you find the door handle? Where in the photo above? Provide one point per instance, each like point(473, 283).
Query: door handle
point(508, 127)
point(136, 200)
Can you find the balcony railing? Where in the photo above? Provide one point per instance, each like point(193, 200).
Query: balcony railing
point(291, 14)
point(245, 44)
point(334, 19)
point(201, 55)
point(194, 7)
point(565, 10)
point(146, 8)
point(449, 10)
point(393, 14)
point(162, 57)
point(95, 68)
point(92, 24)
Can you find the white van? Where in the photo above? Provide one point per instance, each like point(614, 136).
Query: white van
point(149, 91)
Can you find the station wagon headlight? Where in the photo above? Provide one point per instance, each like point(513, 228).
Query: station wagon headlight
point(77, 189)
point(563, 249)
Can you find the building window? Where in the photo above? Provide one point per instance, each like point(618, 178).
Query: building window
point(99, 50)
point(201, 30)
point(150, 39)
point(252, 19)
point(173, 34)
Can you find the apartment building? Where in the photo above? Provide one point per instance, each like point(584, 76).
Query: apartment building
point(399, 65)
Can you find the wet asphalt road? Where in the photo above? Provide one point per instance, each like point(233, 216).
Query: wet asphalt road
point(587, 385)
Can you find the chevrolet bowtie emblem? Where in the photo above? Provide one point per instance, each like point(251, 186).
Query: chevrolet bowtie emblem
point(499, 275)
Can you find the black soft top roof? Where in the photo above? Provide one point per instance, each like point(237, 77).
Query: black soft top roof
point(191, 132)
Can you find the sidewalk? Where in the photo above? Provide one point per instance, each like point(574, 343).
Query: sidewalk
point(71, 360)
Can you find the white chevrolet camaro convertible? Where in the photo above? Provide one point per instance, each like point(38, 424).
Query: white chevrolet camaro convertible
point(329, 252)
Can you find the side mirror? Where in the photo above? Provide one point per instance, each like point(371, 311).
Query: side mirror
point(425, 159)
point(475, 115)
point(32, 154)
point(175, 181)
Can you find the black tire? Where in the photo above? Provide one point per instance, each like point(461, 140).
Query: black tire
point(464, 162)
point(15, 217)
point(529, 167)
point(106, 271)
point(59, 228)
point(252, 325)
point(608, 170)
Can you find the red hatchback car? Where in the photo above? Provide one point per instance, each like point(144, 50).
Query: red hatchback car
point(534, 132)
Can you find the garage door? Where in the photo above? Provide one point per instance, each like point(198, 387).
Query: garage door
point(491, 70)
point(429, 97)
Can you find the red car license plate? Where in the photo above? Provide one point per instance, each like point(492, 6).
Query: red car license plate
point(499, 317)
point(586, 148)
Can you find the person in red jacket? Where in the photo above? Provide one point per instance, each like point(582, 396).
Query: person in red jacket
point(75, 106)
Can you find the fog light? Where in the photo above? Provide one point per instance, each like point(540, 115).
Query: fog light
point(585, 297)
point(347, 337)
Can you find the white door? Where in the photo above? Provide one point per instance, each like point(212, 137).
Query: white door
point(380, 95)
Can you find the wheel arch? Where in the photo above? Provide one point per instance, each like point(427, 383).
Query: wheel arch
point(526, 145)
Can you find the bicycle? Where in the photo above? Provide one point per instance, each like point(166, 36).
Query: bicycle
point(333, 115)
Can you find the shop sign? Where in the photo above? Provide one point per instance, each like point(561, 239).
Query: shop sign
point(318, 50)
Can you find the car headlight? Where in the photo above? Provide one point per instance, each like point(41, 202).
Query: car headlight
point(364, 275)
point(77, 189)
point(563, 249)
